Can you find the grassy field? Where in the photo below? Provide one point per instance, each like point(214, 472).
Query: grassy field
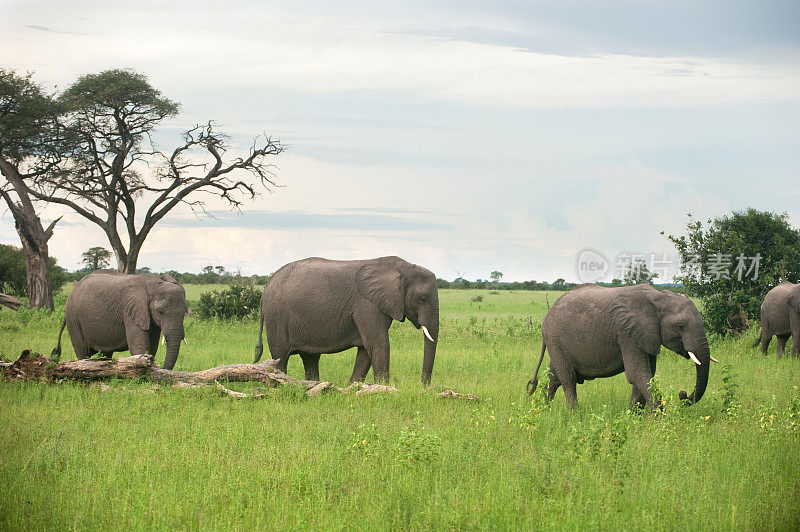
point(139, 456)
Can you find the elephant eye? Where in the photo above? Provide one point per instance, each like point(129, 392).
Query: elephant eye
point(681, 327)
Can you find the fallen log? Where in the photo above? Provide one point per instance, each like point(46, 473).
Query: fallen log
point(30, 366)
point(10, 302)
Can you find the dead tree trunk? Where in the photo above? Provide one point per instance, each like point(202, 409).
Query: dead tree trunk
point(33, 237)
point(39, 367)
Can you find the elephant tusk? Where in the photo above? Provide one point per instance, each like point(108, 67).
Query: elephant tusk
point(185, 341)
point(427, 334)
point(162, 339)
point(713, 359)
point(694, 359)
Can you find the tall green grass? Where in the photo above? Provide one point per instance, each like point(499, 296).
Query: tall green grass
point(142, 456)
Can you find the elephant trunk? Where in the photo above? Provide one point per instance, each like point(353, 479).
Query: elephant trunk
point(703, 355)
point(429, 354)
point(173, 339)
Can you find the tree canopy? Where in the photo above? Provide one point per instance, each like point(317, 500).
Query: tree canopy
point(96, 258)
point(637, 272)
point(31, 145)
point(111, 171)
point(732, 261)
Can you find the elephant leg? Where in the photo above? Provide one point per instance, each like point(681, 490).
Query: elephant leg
point(138, 340)
point(637, 399)
point(781, 339)
point(766, 338)
point(794, 326)
point(311, 366)
point(155, 337)
point(374, 330)
point(279, 348)
point(78, 341)
point(552, 387)
point(361, 366)
point(81, 349)
point(638, 371)
point(564, 376)
point(380, 360)
point(283, 363)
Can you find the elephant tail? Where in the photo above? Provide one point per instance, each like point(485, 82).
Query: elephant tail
point(55, 354)
point(535, 380)
point(260, 344)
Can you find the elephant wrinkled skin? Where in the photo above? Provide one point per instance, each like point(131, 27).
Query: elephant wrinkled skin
point(317, 305)
point(594, 331)
point(109, 311)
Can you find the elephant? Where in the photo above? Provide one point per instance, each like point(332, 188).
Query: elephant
point(594, 331)
point(780, 316)
point(316, 305)
point(109, 311)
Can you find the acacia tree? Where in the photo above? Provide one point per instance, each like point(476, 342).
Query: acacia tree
point(637, 272)
point(29, 148)
point(118, 179)
point(96, 257)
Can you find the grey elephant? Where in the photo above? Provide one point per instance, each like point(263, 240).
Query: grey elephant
point(316, 306)
point(109, 311)
point(594, 331)
point(780, 316)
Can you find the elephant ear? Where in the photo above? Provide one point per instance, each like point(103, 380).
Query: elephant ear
point(794, 299)
point(636, 316)
point(380, 282)
point(134, 301)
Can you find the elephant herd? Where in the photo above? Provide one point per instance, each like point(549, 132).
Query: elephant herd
point(316, 306)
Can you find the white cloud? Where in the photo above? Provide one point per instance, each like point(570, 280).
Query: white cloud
point(486, 171)
point(275, 49)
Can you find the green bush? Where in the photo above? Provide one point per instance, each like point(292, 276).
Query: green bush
point(235, 302)
point(718, 264)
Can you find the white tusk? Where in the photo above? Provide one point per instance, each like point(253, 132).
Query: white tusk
point(714, 360)
point(694, 359)
point(427, 334)
point(185, 341)
point(162, 339)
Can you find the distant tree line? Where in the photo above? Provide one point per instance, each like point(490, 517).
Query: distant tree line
point(217, 275)
point(460, 283)
point(209, 275)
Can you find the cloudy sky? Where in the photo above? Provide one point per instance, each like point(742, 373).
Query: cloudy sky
point(465, 136)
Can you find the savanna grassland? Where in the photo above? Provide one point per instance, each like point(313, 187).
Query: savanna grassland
point(140, 456)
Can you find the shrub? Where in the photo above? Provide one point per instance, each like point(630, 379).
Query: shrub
point(235, 302)
point(730, 396)
point(719, 260)
point(416, 444)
